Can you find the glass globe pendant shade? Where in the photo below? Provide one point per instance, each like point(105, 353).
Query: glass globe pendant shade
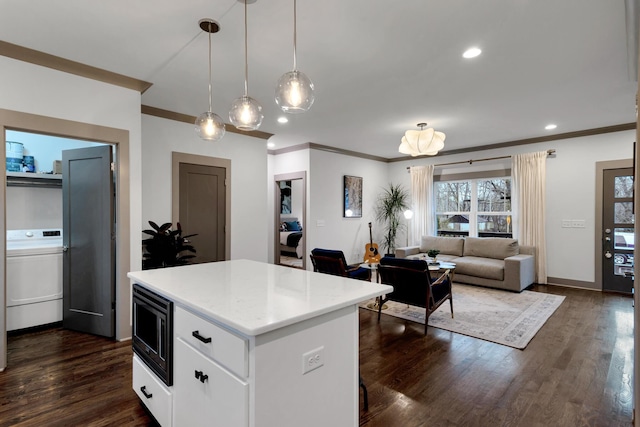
point(209, 126)
point(294, 92)
point(246, 113)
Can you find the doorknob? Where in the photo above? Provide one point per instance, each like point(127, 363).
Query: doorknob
point(607, 246)
point(65, 248)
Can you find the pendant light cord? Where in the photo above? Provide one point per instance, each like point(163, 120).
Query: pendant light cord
point(295, 33)
point(246, 49)
point(210, 106)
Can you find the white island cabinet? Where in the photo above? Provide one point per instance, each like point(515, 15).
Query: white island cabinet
point(257, 345)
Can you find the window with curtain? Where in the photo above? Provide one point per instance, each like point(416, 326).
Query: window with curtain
point(474, 207)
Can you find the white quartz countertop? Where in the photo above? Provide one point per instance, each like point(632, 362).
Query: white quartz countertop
point(254, 297)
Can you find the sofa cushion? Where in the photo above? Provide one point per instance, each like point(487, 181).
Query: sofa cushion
point(446, 245)
point(490, 247)
point(487, 268)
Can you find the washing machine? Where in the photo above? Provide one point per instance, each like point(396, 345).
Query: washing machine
point(34, 277)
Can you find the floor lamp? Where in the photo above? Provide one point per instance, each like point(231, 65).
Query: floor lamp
point(408, 214)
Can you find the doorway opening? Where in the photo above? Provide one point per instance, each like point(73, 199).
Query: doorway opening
point(290, 219)
point(118, 138)
point(40, 224)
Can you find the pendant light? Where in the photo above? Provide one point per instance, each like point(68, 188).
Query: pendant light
point(209, 125)
point(246, 112)
point(294, 93)
point(423, 142)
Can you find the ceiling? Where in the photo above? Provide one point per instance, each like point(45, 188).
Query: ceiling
point(379, 66)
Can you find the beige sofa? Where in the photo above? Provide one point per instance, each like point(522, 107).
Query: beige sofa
point(486, 261)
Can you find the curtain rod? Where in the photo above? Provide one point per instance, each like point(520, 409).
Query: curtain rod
point(549, 153)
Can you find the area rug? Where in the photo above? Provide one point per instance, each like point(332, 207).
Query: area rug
point(502, 317)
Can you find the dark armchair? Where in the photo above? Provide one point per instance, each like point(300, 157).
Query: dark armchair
point(333, 262)
point(413, 285)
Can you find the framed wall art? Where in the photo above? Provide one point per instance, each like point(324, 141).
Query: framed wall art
point(352, 196)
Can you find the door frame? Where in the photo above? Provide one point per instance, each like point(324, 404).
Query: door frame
point(276, 210)
point(119, 138)
point(600, 168)
point(194, 159)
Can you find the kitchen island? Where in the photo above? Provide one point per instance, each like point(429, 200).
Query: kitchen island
point(257, 345)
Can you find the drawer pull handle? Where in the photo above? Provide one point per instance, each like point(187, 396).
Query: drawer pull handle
point(200, 337)
point(201, 376)
point(143, 389)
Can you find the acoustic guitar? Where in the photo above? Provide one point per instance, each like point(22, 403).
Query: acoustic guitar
point(371, 253)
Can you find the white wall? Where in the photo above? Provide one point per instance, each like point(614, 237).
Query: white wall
point(571, 184)
point(326, 203)
point(37, 90)
point(248, 155)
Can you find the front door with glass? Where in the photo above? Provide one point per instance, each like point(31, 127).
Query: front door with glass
point(618, 230)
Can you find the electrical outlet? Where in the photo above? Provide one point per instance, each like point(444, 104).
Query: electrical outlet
point(312, 360)
point(566, 223)
point(578, 223)
point(320, 223)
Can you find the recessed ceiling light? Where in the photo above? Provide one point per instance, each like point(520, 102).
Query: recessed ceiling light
point(282, 119)
point(270, 144)
point(550, 127)
point(471, 52)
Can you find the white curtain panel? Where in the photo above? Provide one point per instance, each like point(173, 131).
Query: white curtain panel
point(421, 203)
point(529, 183)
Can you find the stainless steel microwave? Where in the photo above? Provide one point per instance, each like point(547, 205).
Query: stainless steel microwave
point(153, 331)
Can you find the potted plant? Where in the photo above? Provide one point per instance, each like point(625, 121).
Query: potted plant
point(165, 247)
point(433, 253)
point(393, 201)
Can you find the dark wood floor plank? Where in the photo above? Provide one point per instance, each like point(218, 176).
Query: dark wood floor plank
point(577, 371)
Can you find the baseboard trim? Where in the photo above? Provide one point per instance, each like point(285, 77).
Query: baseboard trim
point(570, 283)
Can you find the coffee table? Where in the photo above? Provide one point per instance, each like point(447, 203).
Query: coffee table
point(441, 267)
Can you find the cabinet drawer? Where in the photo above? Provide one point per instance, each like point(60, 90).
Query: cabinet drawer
point(205, 393)
point(154, 394)
point(229, 350)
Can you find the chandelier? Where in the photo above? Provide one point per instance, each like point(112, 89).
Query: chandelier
point(423, 142)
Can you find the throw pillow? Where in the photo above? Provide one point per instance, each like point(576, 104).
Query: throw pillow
point(293, 226)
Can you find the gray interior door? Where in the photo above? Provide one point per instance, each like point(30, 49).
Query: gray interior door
point(618, 230)
point(202, 210)
point(88, 225)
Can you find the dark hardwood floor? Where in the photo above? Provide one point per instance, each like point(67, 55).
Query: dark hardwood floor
point(57, 377)
point(577, 371)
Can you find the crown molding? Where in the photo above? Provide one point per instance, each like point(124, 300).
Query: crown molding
point(327, 148)
point(185, 118)
point(36, 57)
